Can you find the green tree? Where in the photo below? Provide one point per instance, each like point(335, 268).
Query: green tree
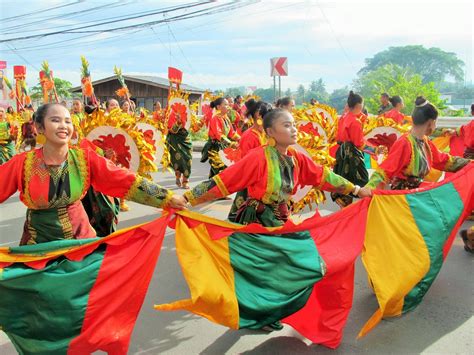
point(265, 94)
point(288, 92)
point(300, 94)
point(338, 98)
point(317, 90)
point(433, 64)
point(63, 89)
point(395, 80)
point(235, 91)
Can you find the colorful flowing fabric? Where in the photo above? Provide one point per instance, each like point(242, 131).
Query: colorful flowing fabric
point(78, 296)
point(234, 281)
point(404, 255)
point(180, 148)
point(250, 276)
point(7, 148)
point(53, 193)
point(409, 161)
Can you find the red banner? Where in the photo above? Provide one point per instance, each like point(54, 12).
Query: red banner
point(175, 75)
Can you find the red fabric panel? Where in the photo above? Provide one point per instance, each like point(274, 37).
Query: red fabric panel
point(118, 293)
point(339, 239)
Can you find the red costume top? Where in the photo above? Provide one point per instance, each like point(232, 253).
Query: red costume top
point(220, 128)
point(467, 134)
point(411, 157)
point(260, 172)
point(251, 139)
point(395, 115)
point(53, 193)
point(350, 129)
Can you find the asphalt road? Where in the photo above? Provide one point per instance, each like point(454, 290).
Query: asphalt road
point(443, 323)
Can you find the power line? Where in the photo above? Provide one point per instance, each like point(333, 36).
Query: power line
point(60, 16)
point(40, 11)
point(74, 30)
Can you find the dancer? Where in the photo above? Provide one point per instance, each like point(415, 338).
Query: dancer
point(350, 154)
point(54, 178)
point(7, 147)
point(221, 134)
point(394, 113)
point(271, 175)
point(180, 148)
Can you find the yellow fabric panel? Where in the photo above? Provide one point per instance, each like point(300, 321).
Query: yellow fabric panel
point(395, 255)
point(212, 296)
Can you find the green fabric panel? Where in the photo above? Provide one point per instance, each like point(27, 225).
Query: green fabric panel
point(41, 311)
point(273, 174)
point(274, 275)
point(43, 248)
point(435, 212)
point(75, 181)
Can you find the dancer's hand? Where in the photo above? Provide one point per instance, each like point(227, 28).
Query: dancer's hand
point(178, 202)
point(365, 192)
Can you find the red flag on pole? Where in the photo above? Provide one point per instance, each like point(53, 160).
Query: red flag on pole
point(3, 64)
point(175, 75)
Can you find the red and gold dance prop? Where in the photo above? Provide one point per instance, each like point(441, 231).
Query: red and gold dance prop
point(19, 73)
point(86, 83)
point(47, 84)
point(123, 91)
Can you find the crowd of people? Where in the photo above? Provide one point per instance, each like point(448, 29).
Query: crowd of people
point(71, 191)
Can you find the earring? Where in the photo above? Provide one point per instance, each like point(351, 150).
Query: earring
point(259, 122)
point(271, 142)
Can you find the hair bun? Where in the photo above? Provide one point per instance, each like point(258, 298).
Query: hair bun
point(420, 100)
point(351, 93)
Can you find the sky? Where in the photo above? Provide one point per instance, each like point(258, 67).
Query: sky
point(322, 39)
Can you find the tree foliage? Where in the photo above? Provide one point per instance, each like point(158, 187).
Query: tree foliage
point(395, 80)
point(432, 64)
point(63, 89)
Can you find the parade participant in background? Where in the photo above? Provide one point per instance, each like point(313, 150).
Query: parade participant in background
point(77, 115)
point(54, 178)
point(7, 147)
point(221, 134)
point(271, 175)
point(234, 115)
point(252, 138)
point(238, 104)
point(467, 133)
point(126, 107)
point(350, 154)
point(385, 104)
point(286, 103)
point(180, 148)
point(28, 135)
point(395, 113)
point(10, 110)
point(110, 105)
point(413, 155)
